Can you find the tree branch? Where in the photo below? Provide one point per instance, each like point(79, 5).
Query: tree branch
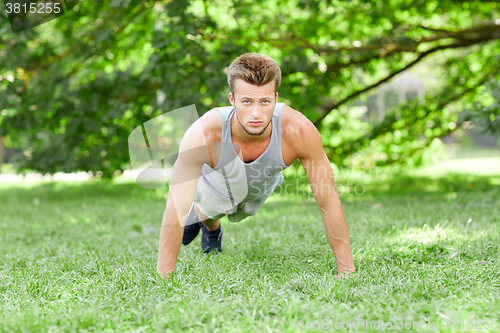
point(441, 105)
point(120, 29)
point(422, 55)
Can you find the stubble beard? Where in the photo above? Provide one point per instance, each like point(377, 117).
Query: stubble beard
point(246, 130)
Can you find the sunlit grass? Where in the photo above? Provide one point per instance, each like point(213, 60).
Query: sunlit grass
point(475, 166)
point(81, 257)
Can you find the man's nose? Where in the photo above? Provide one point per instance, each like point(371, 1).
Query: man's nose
point(256, 112)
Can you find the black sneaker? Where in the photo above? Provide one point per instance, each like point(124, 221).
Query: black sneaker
point(211, 240)
point(190, 232)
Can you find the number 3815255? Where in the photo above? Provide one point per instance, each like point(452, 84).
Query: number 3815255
point(34, 8)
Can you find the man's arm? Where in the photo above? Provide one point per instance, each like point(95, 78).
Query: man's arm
point(320, 174)
point(193, 153)
point(171, 234)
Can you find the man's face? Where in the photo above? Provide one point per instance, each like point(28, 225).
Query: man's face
point(254, 105)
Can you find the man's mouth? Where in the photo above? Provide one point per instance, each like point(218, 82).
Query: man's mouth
point(255, 123)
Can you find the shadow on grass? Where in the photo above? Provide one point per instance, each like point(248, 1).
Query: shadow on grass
point(69, 191)
point(357, 188)
point(401, 184)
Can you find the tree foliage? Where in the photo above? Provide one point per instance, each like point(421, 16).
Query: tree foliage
point(73, 89)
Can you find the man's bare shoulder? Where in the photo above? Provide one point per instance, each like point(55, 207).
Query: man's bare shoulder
point(194, 143)
point(206, 129)
point(295, 126)
point(212, 125)
point(298, 132)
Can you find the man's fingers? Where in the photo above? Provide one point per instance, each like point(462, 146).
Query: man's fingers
point(162, 275)
point(345, 275)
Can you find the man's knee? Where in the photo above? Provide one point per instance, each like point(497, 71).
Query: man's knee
point(198, 212)
point(202, 217)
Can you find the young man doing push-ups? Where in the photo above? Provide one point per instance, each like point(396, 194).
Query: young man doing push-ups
point(231, 160)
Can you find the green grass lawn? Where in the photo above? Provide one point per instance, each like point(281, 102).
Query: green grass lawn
point(81, 257)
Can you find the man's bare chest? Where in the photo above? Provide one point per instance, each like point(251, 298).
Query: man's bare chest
point(251, 152)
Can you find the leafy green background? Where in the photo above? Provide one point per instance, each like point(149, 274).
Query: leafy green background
point(73, 89)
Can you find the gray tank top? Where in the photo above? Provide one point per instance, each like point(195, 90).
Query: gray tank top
point(236, 180)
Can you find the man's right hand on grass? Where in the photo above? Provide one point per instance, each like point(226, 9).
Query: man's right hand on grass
point(193, 153)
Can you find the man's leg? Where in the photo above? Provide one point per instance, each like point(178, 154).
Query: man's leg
point(211, 225)
point(211, 232)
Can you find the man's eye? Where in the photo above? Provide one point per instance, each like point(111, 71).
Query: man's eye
point(245, 101)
